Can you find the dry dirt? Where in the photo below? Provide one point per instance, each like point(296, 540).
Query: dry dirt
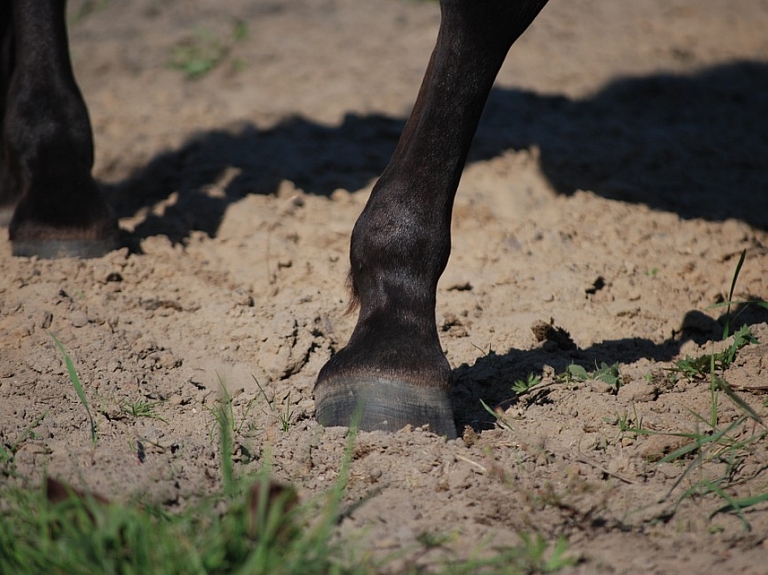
point(620, 170)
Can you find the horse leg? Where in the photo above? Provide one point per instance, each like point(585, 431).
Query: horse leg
point(393, 371)
point(9, 189)
point(48, 144)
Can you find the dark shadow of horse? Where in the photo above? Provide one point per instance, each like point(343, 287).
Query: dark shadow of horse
point(696, 145)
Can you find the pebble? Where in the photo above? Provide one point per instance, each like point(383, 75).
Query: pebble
point(78, 319)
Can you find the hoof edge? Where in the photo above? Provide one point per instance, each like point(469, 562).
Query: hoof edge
point(381, 403)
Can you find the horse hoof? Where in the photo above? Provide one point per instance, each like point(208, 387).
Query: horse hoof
point(372, 402)
point(56, 248)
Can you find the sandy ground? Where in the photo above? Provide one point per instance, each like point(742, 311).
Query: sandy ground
point(620, 170)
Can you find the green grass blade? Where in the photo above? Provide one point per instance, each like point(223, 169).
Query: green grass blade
point(745, 302)
point(713, 393)
point(732, 504)
point(727, 327)
point(739, 504)
point(225, 446)
point(75, 379)
point(740, 403)
point(700, 441)
point(496, 417)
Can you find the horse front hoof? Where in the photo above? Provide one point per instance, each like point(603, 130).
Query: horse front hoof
point(376, 402)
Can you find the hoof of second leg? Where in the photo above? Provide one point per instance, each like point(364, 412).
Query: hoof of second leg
point(371, 402)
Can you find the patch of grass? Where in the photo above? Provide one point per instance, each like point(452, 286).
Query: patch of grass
point(227, 404)
point(730, 301)
point(701, 367)
point(604, 372)
point(252, 530)
point(498, 416)
point(729, 446)
point(239, 31)
point(652, 273)
point(522, 386)
point(629, 424)
point(8, 451)
point(534, 555)
point(542, 561)
point(198, 55)
point(251, 525)
point(705, 365)
point(726, 445)
point(141, 408)
point(223, 413)
point(259, 530)
point(204, 51)
point(284, 414)
point(608, 374)
point(227, 425)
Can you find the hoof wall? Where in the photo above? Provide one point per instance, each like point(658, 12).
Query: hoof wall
point(53, 249)
point(383, 404)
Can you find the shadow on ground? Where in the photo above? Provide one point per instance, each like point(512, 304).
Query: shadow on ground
point(696, 145)
point(492, 376)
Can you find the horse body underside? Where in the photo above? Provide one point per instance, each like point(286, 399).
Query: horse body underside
point(393, 371)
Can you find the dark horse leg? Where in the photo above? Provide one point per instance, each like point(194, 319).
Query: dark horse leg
point(47, 145)
point(393, 371)
point(9, 190)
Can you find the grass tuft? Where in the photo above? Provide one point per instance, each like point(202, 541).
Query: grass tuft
point(252, 526)
point(701, 367)
point(606, 373)
point(204, 51)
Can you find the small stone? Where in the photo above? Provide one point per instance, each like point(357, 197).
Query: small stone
point(79, 319)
